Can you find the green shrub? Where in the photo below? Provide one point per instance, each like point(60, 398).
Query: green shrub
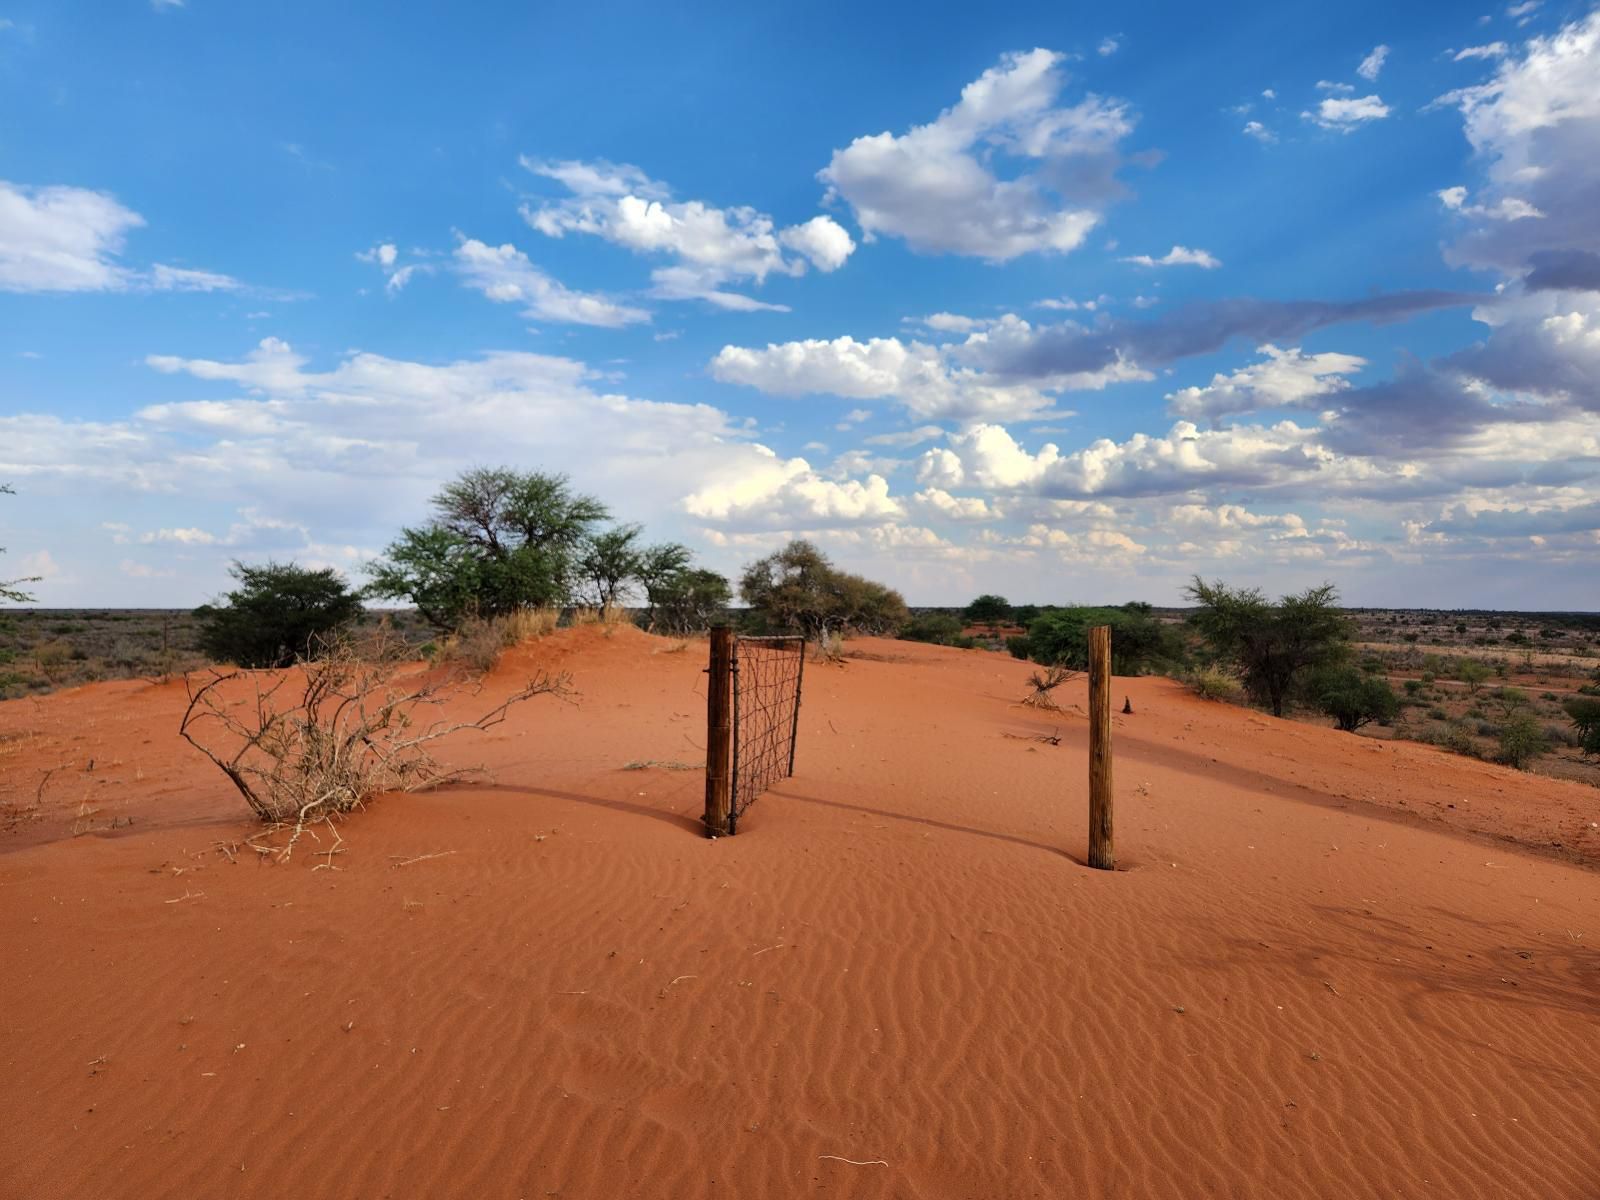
point(1213, 684)
point(1139, 642)
point(1522, 739)
point(1018, 646)
point(1454, 738)
point(1438, 714)
point(277, 614)
point(1353, 698)
point(988, 609)
point(941, 629)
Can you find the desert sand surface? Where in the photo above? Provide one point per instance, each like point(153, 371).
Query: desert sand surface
point(1328, 966)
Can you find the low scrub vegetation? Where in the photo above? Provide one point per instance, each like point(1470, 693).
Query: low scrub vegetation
point(313, 744)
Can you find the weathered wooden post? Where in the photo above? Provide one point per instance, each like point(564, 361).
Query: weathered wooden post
point(719, 732)
point(1100, 851)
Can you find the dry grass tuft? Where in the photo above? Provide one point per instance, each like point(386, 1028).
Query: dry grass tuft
point(479, 643)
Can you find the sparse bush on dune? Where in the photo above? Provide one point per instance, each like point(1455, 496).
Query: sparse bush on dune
point(1018, 646)
point(320, 741)
point(1211, 683)
point(1452, 737)
point(480, 641)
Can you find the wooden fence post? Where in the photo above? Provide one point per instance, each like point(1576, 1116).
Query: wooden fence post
point(1100, 851)
point(719, 732)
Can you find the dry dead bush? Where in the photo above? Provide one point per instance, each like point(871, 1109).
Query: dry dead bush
point(1043, 683)
point(319, 741)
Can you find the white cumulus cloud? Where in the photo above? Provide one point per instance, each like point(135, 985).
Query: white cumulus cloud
point(937, 187)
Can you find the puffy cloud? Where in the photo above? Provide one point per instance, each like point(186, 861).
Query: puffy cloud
point(1372, 64)
point(1260, 132)
point(1109, 46)
point(936, 185)
point(955, 508)
point(1287, 379)
point(712, 246)
point(62, 239)
point(917, 375)
point(1536, 126)
point(1344, 113)
point(778, 493)
point(1178, 256)
point(505, 275)
point(821, 239)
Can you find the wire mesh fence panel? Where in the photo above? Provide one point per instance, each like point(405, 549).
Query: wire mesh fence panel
point(767, 673)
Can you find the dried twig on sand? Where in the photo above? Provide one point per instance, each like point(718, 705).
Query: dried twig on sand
point(1043, 683)
point(311, 744)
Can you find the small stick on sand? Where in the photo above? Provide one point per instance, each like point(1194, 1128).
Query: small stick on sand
point(406, 862)
point(764, 949)
point(871, 1162)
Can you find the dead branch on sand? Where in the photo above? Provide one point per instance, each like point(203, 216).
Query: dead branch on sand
point(318, 742)
point(1043, 683)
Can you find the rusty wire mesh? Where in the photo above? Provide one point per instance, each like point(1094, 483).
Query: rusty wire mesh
point(767, 673)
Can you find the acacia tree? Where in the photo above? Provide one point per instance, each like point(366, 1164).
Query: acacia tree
point(608, 561)
point(1272, 645)
point(988, 609)
point(500, 540)
point(679, 597)
point(8, 587)
point(277, 614)
point(799, 588)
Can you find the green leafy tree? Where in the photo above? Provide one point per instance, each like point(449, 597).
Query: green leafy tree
point(499, 540)
point(1139, 642)
point(1522, 739)
point(1272, 646)
point(1472, 673)
point(278, 614)
point(608, 562)
point(798, 588)
point(1353, 698)
point(679, 597)
point(9, 592)
point(988, 609)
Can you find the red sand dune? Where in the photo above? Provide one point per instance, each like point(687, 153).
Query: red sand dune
point(1313, 978)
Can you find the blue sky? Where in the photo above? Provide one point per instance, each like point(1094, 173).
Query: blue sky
point(1067, 302)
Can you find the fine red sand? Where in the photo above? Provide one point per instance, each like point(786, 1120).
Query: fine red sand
point(1330, 967)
